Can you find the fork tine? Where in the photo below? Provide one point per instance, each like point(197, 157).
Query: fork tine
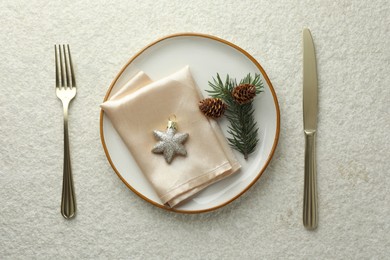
point(57, 68)
point(62, 78)
point(71, 68)
point(66, 67)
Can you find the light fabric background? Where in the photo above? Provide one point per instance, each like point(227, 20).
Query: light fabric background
point(353, 49)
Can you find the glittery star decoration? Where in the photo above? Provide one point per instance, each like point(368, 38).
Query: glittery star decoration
point(170, 143)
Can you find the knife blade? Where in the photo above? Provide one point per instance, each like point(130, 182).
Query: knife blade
point(310, 109)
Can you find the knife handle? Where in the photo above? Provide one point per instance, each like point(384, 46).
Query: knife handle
point(310, 217)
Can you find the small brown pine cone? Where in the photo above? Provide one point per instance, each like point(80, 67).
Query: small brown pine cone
point(212, 107)
point(244, 93)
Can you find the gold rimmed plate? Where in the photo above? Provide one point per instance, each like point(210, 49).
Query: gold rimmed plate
point(206, 55)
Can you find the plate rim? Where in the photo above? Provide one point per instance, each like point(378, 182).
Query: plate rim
point(276, 103)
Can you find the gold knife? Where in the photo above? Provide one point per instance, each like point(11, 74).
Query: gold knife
point(310, 107)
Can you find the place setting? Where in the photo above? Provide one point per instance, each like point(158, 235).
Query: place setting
point(194, 130)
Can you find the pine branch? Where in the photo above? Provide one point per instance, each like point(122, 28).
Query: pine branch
point(243, 128)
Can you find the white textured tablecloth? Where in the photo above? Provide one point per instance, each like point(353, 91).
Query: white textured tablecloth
point(352, 39)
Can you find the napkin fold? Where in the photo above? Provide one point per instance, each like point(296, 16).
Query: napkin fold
point(142, 106)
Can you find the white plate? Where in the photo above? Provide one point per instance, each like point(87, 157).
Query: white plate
point(206, 55)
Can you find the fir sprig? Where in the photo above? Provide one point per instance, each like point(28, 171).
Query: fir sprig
point(243, 128)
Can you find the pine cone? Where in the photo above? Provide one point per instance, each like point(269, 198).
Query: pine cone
point(212, 107)
point(244, 93)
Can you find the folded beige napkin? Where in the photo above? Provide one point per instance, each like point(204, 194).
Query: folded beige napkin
point(142, 106)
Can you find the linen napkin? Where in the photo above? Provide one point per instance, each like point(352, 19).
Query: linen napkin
point(142, 106)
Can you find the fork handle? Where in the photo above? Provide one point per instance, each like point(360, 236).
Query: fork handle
point(310, 217)
point(68, 202)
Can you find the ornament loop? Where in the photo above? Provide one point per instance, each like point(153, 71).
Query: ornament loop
point(172, 118)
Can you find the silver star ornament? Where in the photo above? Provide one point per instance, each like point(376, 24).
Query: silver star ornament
point(170, 142)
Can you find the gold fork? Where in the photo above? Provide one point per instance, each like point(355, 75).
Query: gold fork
point(66, 91)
